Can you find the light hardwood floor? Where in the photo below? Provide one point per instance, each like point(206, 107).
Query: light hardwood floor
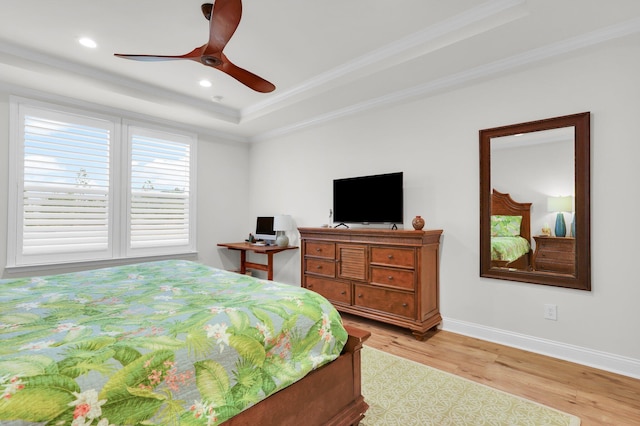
point(597, 397)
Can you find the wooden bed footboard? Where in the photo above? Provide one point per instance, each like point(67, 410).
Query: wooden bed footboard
point(330, 395)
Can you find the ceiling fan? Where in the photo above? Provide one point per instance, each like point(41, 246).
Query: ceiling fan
point(224, 17)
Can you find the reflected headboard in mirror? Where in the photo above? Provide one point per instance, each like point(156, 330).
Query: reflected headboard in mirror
point(510, 251)
point(533, 162)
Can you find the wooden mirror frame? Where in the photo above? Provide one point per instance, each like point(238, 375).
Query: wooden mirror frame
point(582, 141)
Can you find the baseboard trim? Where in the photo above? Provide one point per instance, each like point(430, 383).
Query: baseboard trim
point(589, 357)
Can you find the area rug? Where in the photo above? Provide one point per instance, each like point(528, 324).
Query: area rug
point(404, 392)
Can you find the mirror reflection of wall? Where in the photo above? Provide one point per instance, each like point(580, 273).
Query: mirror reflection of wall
point(533, 167)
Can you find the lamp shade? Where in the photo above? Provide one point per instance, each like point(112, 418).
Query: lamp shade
point(560, 204)
point(282, 222)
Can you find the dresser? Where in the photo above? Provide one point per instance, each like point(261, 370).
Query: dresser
point(554, 254)
point(386, 275)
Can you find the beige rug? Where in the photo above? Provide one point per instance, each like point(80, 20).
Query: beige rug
point(404, 392)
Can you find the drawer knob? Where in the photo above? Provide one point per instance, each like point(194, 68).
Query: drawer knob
point(318, 249)
point(390, 277)
point(343, 292)
point(360, 295)
point(390, 256)
point(404, 305)
point(319, 267)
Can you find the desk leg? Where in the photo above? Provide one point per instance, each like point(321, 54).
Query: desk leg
point(270, 266)
point(243, 262)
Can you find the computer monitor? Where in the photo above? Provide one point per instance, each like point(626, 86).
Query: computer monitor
point(264, 229)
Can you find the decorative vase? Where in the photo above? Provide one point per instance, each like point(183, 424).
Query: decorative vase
point(418, 223)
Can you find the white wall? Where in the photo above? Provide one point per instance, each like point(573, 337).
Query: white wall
point(435, 142)
point(222, 195)
point(223, 200)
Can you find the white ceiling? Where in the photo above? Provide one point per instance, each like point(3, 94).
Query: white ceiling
point(327, 58)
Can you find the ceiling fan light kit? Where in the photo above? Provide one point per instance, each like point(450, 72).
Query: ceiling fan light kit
point(224, 17)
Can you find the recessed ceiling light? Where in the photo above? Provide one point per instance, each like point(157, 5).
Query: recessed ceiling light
point(205, 83)
point(217, 99)
point(87, 42)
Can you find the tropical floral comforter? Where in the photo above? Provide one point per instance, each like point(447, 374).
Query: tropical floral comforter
point(159, 343)
point(509, 248)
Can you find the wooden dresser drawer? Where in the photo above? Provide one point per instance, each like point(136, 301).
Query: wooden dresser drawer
point(393, 256)
point(390, 301)
point(320, 249)
point(560, 256)
point(337, 291)
point(326, 268)
point(555, 266)
point(400, 278)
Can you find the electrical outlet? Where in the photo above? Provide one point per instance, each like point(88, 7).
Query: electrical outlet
point(551, 312)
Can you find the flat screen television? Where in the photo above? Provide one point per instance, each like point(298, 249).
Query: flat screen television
point(369, 199)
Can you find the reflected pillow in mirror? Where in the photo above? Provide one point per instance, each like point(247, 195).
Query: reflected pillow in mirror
point(505, 226)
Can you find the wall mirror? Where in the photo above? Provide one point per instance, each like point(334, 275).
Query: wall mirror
point(535, 202)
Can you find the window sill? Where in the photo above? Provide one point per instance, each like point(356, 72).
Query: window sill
point(60, 268)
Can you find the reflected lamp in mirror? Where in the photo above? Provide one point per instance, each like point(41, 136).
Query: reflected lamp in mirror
point(560, 205)
point(281, 224)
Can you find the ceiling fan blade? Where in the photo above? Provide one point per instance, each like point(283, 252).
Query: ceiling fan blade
point(193, 55)
point(245, 77)
point(223, 21)
point(148, 58)
point(207, 9)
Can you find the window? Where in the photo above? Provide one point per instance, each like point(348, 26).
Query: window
point(159, 211)
point(96, 187)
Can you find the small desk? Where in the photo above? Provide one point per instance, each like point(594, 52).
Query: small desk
point(268, 250)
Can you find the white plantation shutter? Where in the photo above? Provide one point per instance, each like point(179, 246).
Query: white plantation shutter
point(160, 190)
point(65, 188)
point(90, 187)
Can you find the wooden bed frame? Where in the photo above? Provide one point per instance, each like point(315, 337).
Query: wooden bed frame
point(330, 395)
point(503, 204)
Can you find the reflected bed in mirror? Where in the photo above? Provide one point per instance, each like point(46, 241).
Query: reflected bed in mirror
point(535, 202)
point(510, 233)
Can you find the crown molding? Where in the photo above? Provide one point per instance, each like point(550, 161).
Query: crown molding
point(489, 14)
point(479, 19)
point(34, 94)
point(219, 111)
point(489, 70)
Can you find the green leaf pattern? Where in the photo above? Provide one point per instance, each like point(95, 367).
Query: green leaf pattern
point(505, 226)
point(509, 248)
point(157, 343)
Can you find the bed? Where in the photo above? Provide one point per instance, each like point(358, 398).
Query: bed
point(173, 342)
point(510, 232)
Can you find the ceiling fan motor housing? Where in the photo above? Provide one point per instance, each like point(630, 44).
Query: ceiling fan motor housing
point(211, 61)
